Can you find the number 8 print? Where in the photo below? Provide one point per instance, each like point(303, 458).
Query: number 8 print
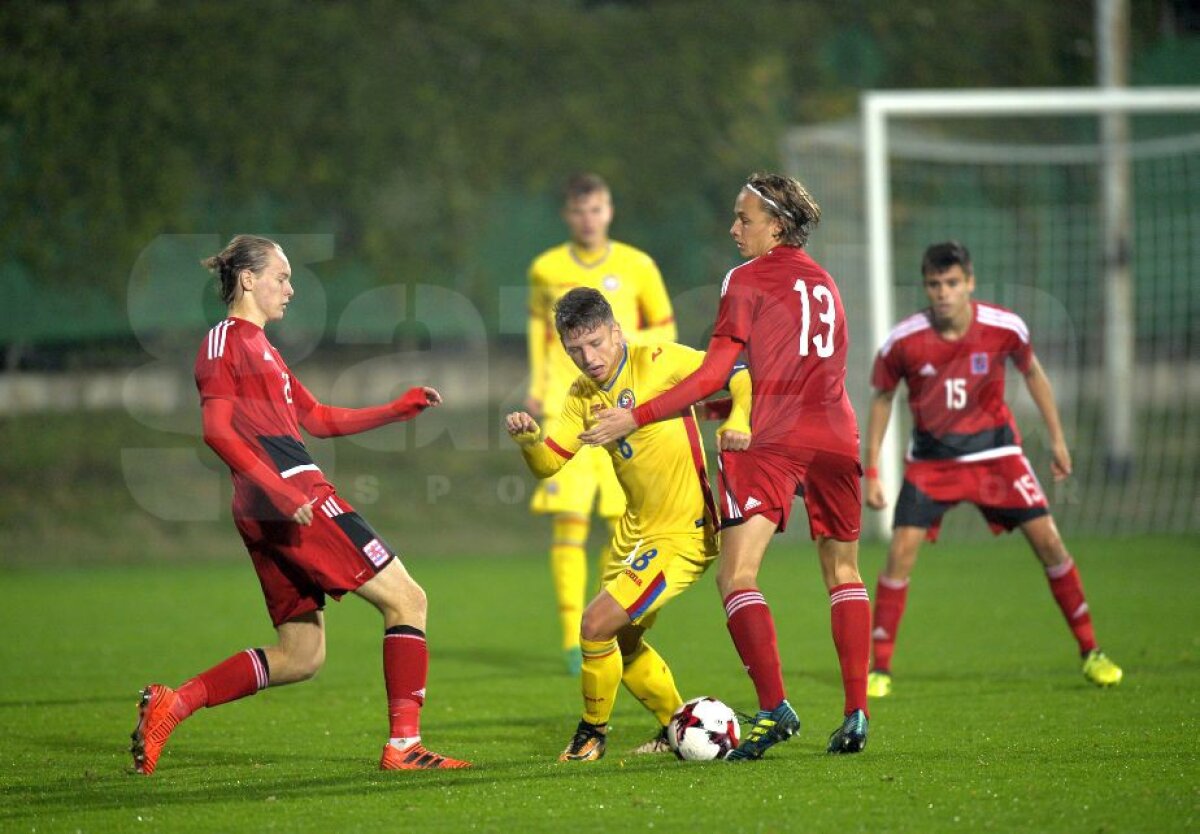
point(642, 562)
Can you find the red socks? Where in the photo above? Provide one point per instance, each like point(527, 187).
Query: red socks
point(236, 677)
point(850, 621)
point(405, 669)
point(1067, 588)
point(890, 597)
point(753, 633)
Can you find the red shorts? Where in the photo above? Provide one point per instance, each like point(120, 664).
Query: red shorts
point(1004, 489)
point(764, 482)
point(297, 565)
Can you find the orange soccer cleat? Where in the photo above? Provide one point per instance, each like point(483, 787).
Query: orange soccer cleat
point(416, 757)
point(155, 723)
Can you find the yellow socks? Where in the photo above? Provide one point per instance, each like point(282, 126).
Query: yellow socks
point(568, 568)
point(599, 679)
point(648, 678)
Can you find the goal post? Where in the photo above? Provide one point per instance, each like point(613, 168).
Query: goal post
point(880, 108)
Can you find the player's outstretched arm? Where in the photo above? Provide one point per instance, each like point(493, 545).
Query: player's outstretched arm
point(219, 434)
point(615, 423)
point(322, 420)
point(1042, 394)
point(542, 460)
point(877, 421)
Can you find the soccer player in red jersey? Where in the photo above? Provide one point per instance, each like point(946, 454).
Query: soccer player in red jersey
point(966, 447)
point(306, 542)
point(785, 312)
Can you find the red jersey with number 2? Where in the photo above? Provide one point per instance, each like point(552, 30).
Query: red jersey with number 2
point(236, 362)
point(788, 313)
point(956, 388)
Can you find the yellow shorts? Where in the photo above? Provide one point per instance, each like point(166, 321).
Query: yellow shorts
point(658, 570)
point(573, 488)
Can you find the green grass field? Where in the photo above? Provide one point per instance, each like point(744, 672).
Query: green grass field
point(991, 727)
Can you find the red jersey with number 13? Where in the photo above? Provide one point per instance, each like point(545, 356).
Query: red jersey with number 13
point(956, 388)
point(788, 313)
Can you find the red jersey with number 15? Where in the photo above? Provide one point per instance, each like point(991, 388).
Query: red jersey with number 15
point(236, 362)
point(787, 312)
point(956, 388)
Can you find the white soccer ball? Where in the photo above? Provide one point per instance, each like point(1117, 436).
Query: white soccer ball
point(703, 729)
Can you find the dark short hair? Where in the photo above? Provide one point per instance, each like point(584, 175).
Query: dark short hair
point(790, 202)
point(581, 309)
point(942, 256)
point(582, 185)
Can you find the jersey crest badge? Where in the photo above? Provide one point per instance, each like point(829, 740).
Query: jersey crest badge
point(626, 399)
point(376, 552)
point(611, 282)
point(928, 370)
point(979, 363)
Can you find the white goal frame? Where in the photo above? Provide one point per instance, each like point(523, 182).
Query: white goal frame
point(878, 107)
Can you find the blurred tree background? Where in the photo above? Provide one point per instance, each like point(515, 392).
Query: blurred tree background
point(430, 138)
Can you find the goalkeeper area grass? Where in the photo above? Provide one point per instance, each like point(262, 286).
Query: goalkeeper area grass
point(991, 725)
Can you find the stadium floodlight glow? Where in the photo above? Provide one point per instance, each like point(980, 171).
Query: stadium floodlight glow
point(878, 107)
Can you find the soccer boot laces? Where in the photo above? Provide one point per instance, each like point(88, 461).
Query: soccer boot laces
point(416, 757)
point(879, 683)
point(587, 745)
point(155, 723)
point(851, 737)
point(768, 728)
point(1101, 671)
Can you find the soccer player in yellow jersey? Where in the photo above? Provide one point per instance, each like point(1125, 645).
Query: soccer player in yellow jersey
point(668, 533)
point(631, 282)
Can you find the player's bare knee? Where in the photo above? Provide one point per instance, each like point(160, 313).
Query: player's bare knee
point(733, 578)
point(900, 563)
point(1052, 552)
point(306, 668)
point(1046, 542)
point(415, 600)
point(405, 603)
point(593, 628)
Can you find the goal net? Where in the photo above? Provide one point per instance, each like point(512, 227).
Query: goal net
point(1025, 192)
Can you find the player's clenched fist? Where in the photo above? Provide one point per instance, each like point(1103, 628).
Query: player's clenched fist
point(522, 427)
point(874, 493)
point(304, 514)
point(731, 440)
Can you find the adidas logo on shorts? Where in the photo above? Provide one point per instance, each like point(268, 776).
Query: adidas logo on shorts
point(750, 504)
